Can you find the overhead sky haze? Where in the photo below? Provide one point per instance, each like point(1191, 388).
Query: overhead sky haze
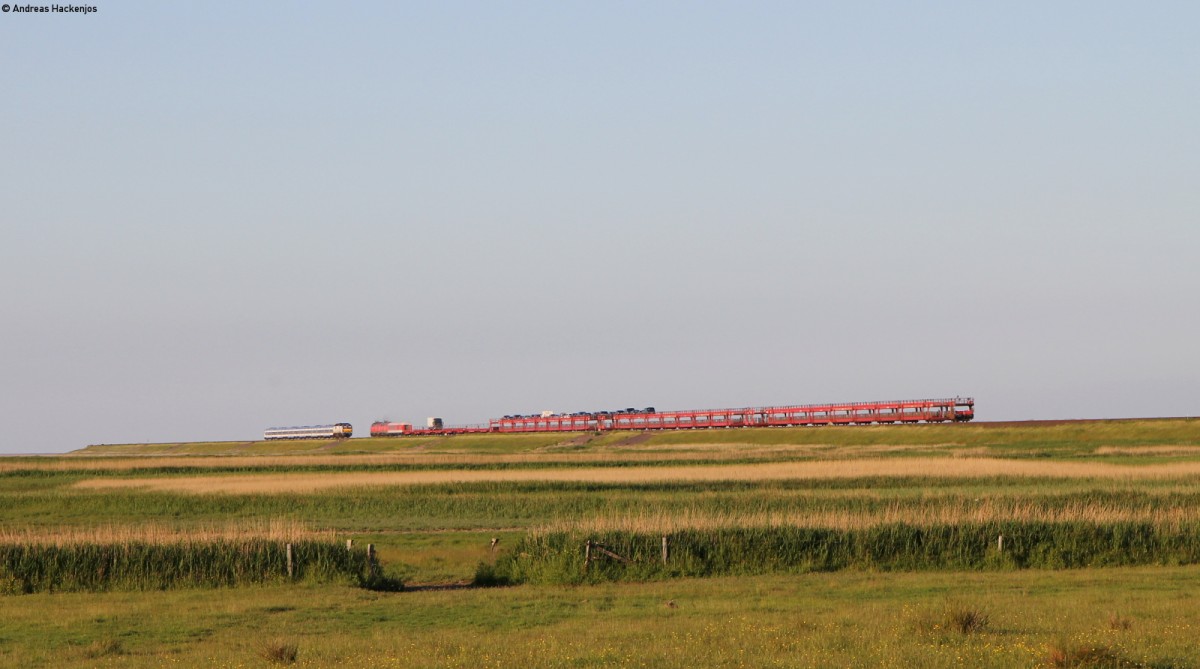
point(220, 218)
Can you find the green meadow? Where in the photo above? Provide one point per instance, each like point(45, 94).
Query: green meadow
point(1012, 545)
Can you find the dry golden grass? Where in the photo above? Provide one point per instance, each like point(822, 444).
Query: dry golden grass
point(153, 533)
point(828, 469)
point(1148, 450)
point(985, 511)
point(135, 463)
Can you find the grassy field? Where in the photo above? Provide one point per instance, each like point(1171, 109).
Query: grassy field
point(852, 546)
point(1143, 617)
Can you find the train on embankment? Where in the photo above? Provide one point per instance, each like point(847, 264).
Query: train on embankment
point(956, 410)
point(333, 431)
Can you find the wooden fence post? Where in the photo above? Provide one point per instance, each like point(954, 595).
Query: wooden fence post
point(349, 544)
point(587, 554)
point(664, 550)
point(1000, 543)
point(371, 559)
point(290, 562)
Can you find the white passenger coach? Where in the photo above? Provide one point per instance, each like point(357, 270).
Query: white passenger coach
point(334, 431)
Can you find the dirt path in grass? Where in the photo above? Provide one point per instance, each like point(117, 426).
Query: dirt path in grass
point(301, 482)
point(633, 440)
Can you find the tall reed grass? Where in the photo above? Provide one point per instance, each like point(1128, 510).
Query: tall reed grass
point(142, 565)
point(863, 513)
point(628, 507)
point(274, 529)
point(559, 557)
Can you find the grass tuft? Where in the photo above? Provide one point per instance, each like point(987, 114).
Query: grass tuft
point(104, 648)
point(953, 617)
point(966, 619)
point(280, 652)
point(1119, 623)
point(1066, 655)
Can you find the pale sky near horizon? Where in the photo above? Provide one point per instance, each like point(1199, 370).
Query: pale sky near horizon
point(216, 218)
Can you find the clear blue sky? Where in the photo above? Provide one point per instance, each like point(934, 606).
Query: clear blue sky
point(216, 217)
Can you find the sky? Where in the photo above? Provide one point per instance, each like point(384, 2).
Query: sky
point(218, 218)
